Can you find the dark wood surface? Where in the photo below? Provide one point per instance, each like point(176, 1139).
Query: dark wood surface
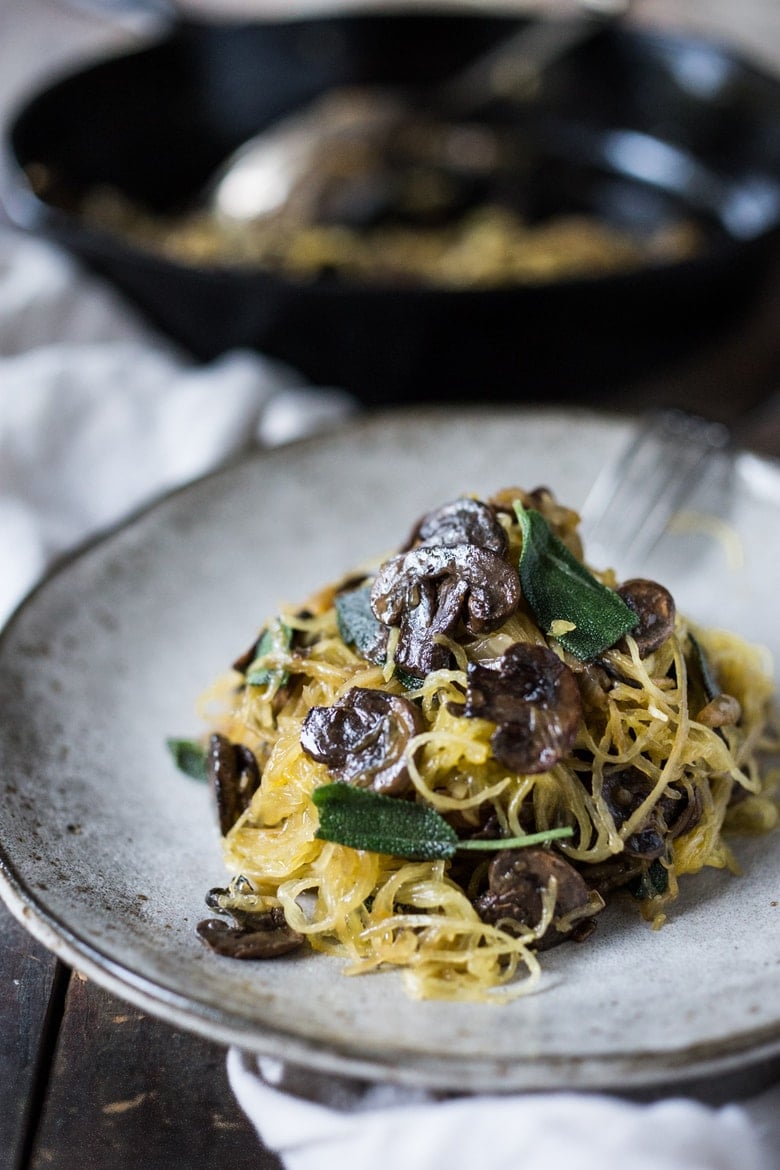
point(91, 1083)
point(28, 982)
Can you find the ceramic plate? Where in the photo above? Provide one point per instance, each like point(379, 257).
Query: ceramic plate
point(107, 850)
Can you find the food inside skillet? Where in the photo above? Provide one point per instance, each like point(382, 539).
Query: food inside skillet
point(489, 247)
point(450, 762)
point(428, 204)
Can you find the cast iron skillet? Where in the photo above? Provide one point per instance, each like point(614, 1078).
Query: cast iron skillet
point(637, 127)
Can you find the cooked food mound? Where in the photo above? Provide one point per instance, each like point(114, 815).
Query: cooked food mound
point(449, 762)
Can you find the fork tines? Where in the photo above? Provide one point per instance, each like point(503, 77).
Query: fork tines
point(633, 500)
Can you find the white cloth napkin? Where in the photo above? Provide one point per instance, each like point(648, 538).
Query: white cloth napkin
point(385, 1128)
point(98, 416)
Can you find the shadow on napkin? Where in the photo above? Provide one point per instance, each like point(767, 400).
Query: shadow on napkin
point(388, 1128)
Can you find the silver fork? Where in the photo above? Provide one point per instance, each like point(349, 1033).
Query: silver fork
point(633, 499)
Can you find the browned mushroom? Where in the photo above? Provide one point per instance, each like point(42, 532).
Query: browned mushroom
point(235, 777)
point(464, 521)
point(363, 738)
point(722, 711)
point(594, 683)
point(428, 590)
point(687, 813)
point(616, 871)
point(534, 699)
point(517, 881)
point(624, 789)
point(250, 936)
point(654, 606)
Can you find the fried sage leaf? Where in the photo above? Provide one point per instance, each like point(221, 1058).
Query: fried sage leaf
point(369, 820)
point(559, 589)
point(189, 757)
point(275, 639)
point(652, 882)
point(382, 824)
point(358, 624)
point(360, 627)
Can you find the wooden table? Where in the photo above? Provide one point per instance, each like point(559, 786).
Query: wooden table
point(90, 1083)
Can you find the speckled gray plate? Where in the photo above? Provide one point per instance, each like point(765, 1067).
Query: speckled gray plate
point(106, 851)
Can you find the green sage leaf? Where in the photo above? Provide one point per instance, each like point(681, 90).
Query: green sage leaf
point(275, 638)
point(558, 587)
point(360, 627)
point(382, 824)
point(651, 883)
point(189, 756)
point(369, 820)
point(358, 624)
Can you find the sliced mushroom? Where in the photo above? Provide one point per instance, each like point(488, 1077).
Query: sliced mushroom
point(655, 609)
point(465, 575)
point(417, 651)
point(624, 789)
point(722, 711)
point(363, 738)
point(688, 813)
point(618, 870)
point(428, 590)
point(593, 681)
point(517, 881)
point(534, 699)
point(235, 777)
point(464, 521)
point(250, 936)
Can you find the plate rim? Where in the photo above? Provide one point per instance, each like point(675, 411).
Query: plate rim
point(734, 1067)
